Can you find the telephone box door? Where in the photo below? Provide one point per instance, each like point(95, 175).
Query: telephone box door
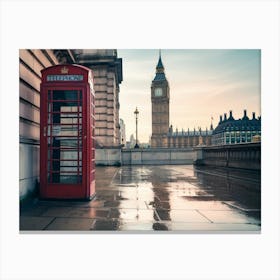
point(67, 143)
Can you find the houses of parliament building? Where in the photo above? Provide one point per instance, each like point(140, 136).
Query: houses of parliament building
point(163, 134)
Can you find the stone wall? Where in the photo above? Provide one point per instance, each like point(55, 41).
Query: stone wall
point(158, 156)
point(31, 62)
point(245, 156)
point(28, 168)
point(108, 156)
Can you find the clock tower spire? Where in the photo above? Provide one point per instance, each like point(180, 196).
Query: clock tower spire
point(160, 107)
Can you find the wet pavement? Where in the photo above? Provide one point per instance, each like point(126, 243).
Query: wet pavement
point(156, 198)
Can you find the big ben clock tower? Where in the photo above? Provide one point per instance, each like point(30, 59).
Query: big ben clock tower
point(160, 107)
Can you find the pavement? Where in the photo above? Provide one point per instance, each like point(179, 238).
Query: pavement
point(145, 199)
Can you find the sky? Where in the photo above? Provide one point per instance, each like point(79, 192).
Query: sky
point(203, 84)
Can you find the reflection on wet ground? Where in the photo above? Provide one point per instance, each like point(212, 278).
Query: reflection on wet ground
point(157, 198)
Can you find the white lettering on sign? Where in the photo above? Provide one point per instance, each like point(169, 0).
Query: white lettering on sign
point(64, 78)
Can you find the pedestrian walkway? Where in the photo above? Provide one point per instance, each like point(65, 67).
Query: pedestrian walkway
point(156, 198)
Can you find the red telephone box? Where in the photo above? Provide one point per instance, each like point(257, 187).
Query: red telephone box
point(67, 149)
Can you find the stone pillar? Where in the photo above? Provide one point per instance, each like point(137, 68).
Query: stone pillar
point(107, 70)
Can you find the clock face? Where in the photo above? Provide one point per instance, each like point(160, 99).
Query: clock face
point(158, 92)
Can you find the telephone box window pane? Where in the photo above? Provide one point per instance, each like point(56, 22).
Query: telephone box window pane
point(70, 179)
point(49, 95)
point(64, 178)
point(66, 107)
point(60, 154)
point(73, 155)
point(73, 169)
point(64, 137)
point(69, 130)
point(59, 166)
point(70, 143)
point(71, 118)
point(71, 163)
point(66, 142)
point(70, 109)
point(64, 130)
point(65, 95)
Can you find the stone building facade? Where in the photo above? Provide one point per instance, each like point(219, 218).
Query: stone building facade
point(122, 133)
point(107, 69)
point(31, 62)
point(163, 135)
point(189, 138)
point(236, 131)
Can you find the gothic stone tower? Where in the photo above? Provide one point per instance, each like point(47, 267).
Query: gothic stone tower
point(160, 107)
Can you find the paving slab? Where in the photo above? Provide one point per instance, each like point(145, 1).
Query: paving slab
point(156, 198)
point(75, 224)
point(190, 216)
point(105, 225)
point(137, 226)
point(76, 212)
point(228, 216)
point(34, 223)
point(136, 215)
point(36, 210)
point(54, 211)
point(213, 227)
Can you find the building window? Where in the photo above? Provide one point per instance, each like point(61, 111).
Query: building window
point(232, 137)
point(249, 139)
point(243, 137)
point(227, 137)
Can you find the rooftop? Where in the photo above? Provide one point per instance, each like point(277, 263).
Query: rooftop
point(242, 124)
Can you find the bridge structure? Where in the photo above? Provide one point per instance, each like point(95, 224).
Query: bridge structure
point(244, 156)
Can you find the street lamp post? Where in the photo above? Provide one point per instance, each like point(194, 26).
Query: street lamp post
point(136, 112)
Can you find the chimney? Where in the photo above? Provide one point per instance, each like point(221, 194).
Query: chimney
point(245, 118)
point(221, 118)
point(230, 113)
point(225, 116)
point(254, 115)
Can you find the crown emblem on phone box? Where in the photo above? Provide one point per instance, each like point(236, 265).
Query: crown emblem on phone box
point(64, 70)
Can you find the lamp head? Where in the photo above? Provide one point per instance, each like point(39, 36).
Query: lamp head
point(136, 112)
